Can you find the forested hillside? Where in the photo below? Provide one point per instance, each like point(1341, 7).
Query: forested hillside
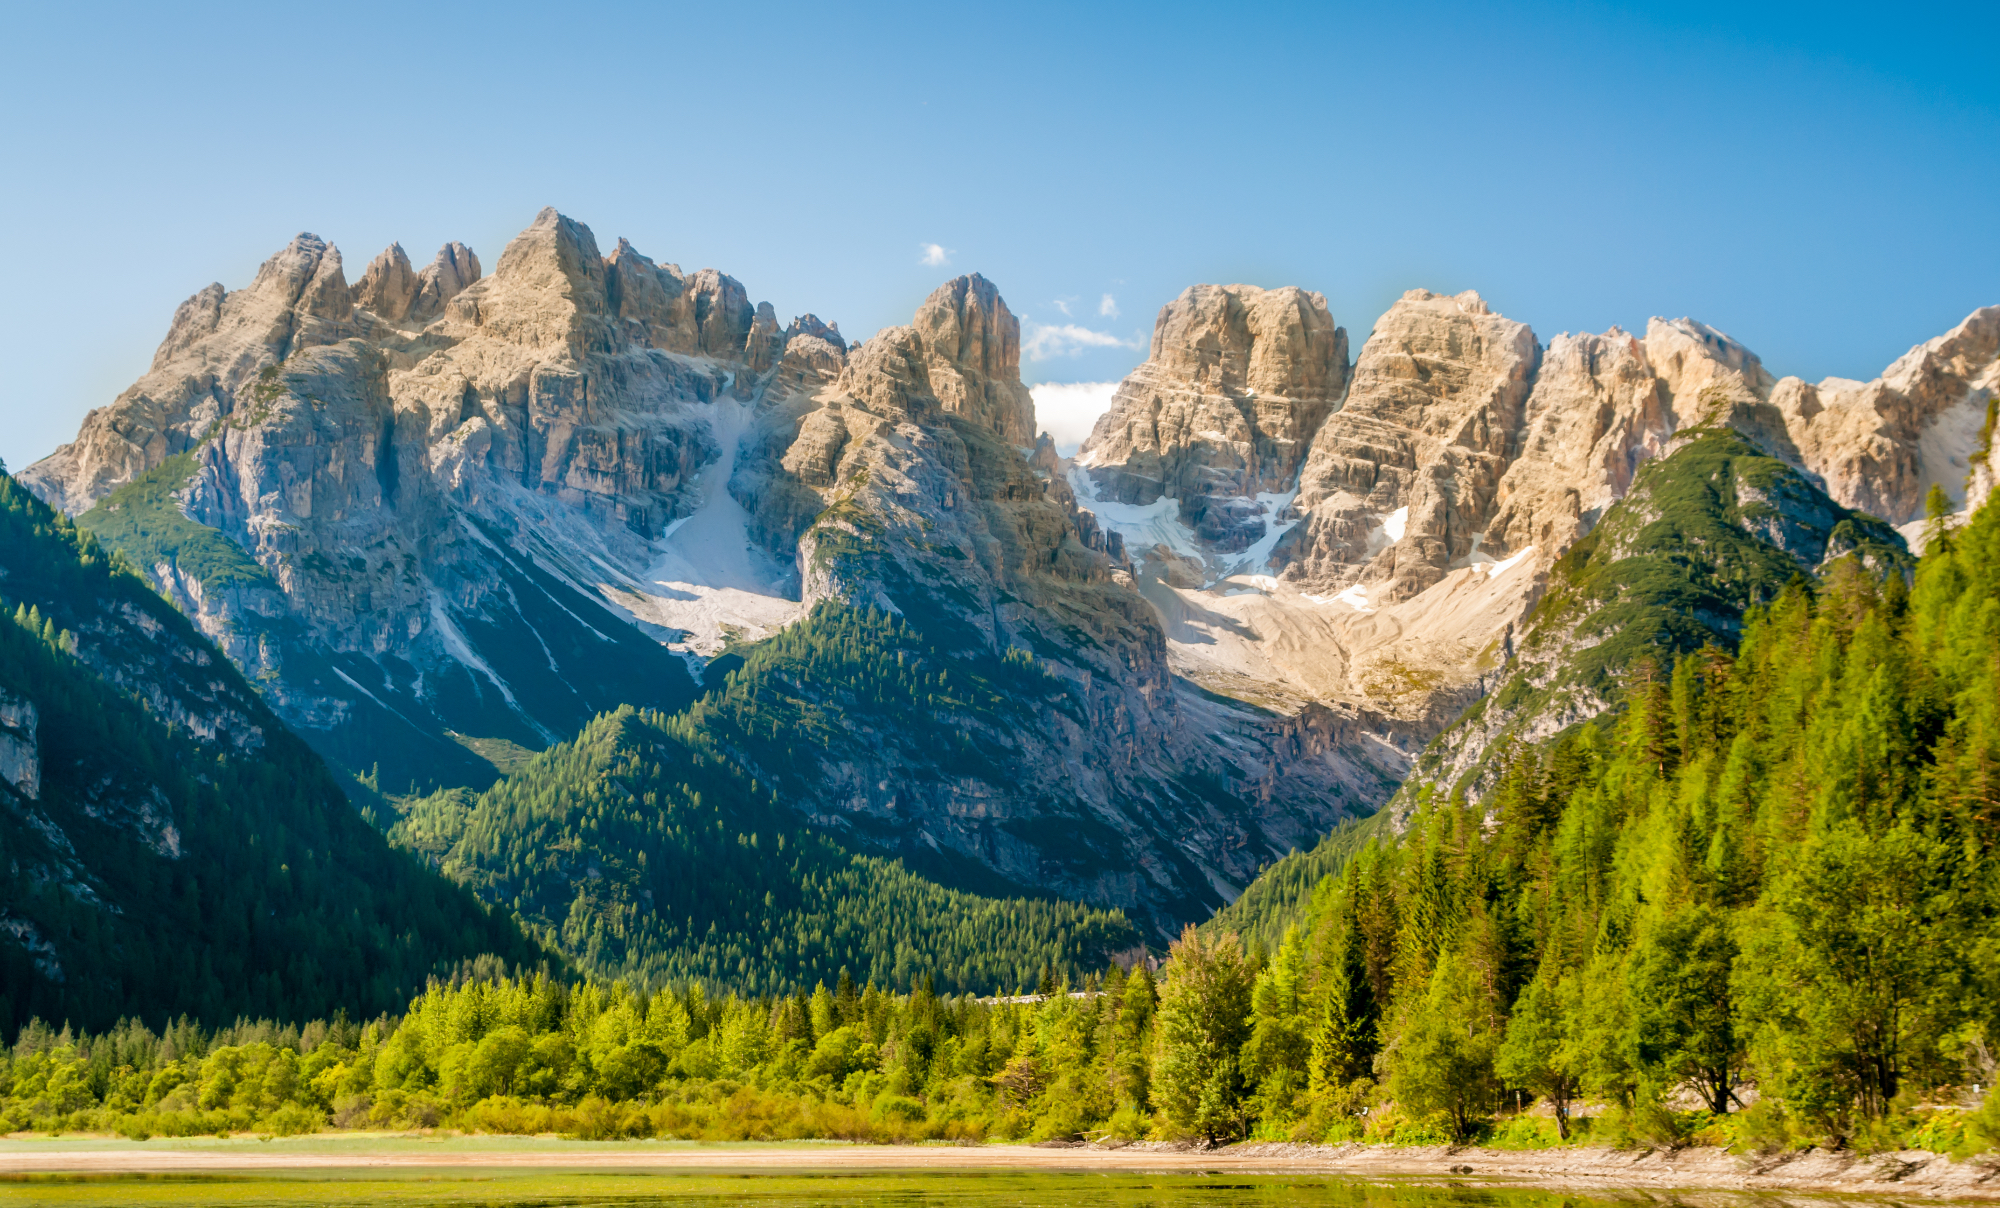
point(1775, 871)
point(1758, 909)
point(171, 848)
point(1706, 533)
point(647, 851)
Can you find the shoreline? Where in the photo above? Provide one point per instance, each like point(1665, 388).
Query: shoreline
point(1904, 1174)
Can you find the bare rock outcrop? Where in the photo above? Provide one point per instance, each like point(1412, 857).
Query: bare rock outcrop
point(1882, 445)
point(1462, 461)
point(389, 284)
point(217, 342)
point(1596, 412)
point(20, 754)
point(1407, 474)
point(469, 509)
point(960, 356)
point(908, 488)
point(1238, 381)
point(446, 277)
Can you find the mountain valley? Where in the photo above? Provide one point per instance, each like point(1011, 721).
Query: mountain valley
point(445, 520)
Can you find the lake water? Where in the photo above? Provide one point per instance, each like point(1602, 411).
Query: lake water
point(916, 1189)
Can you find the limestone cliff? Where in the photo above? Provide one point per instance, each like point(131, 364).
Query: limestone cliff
point(904, 486)
point(450, 487)
point(442, 516)
point(1882, 445)
point(1220, 415)
point(1392, 570)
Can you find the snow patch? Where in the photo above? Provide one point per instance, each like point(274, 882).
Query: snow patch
point(1495, 569)
point(1258, 556)
point(1353, 595)
point(457, 647)
point(1396, 522)
point(1143, 526)
point(709, 579)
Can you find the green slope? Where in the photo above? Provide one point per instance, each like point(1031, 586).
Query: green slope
point(1282, 893)
point(1705, 533)
point(143, 520)
point(180, 851)
point(1774, 868)
point(649, 849)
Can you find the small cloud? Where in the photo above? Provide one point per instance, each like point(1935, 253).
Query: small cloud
point(1062, 306)
point(1044, 340)
point(1068, 410)
point(1109, 307)
point(936, 255)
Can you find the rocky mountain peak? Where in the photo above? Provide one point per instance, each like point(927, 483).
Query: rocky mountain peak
point(1237, 382)
point(706, 313)
point(1881, 445)
point(444, 278)
point(1404, 476)
point(972, 344)
point(193, 320)
point(447, 503)
point(549, 280)
point(285, 277)
point(1469, 302)
point(391, 289)
point(810, 325)
point(961, 355)
point(389, 284)
point(1689, 357)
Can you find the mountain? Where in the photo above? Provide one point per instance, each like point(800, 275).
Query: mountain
point(450, 531)
point(1708, 532)
point(648, 854)
point(171, 847)
point(1773, 870)
point(1384, 549)
point(445, 519)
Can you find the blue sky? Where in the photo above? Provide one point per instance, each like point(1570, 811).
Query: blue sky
point(1821, 181)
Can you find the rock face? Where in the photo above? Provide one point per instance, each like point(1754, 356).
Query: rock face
point(451, 501)
point(1220, 414)
point(1390, 570)
point(1710, 527)
point(436, 513)
point(902, 485)
point(1882, 445)
point(440, 515)
point(20, 757)
point(1402, 479)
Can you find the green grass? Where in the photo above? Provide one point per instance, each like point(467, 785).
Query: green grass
point(730, 1181)
point(505, 756)
point(143, 520)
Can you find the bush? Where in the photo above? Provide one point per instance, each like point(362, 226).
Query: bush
point(1763, 1128)
point(294, 1120)
point(1523, 1132)
point(897, 1108)
point(1128, 1123)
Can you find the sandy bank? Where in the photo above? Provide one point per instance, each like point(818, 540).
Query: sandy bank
point(1908, 1174)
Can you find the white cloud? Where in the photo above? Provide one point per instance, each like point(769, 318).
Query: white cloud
point(1109, 307)
point(1067, 410)
point(1044, 341)
point(1062, 306)
point(935, 255)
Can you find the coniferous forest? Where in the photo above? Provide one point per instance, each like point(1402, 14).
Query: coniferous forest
point(1756, 906)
